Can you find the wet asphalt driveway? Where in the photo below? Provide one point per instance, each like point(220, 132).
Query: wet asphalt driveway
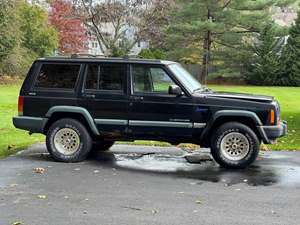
point(136, 185)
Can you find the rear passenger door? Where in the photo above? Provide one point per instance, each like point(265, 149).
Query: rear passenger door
point(104, 95)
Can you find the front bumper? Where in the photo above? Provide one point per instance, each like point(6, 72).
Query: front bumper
point(32, 124)
point(271, 133)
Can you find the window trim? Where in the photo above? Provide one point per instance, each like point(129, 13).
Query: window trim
point(151, 94)
point(49, 89)
point(102, 91)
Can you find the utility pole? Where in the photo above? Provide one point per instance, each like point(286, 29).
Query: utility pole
point(206, 55)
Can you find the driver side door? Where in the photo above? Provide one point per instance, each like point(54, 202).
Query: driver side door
point(153, 112)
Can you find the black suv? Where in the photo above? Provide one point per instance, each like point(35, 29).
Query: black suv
point(82, 104)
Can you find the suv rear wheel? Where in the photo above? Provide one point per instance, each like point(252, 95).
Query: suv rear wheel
point(234, 145)
point(68, 141)
point(102, 145)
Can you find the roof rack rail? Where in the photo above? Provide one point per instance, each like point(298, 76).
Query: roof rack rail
point(132, 57)
point(77, 55)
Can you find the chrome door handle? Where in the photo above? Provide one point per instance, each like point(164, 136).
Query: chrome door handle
point(137, 98)
point(89, 96)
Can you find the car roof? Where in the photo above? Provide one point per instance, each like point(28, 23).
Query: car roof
point(105, 59)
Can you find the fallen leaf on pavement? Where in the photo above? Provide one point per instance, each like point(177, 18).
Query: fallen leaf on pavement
point(42, 196)
point(17, 223)
point(39, 170)
point(154, 211)
point(199, 202)
point(133, 208)
point(264, 148)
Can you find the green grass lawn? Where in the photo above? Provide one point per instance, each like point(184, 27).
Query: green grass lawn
point(12, 140)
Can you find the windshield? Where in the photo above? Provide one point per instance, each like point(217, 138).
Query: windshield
point(188, 81)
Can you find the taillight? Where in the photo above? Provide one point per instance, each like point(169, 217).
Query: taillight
point(20, 105)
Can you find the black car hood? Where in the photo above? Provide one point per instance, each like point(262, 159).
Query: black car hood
point(241, 96)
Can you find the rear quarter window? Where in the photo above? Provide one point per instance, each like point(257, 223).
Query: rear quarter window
point(62, 76)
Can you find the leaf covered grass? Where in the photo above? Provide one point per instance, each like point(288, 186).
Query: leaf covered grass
point(12, 139)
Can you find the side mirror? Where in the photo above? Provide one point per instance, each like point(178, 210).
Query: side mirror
point(175, 90)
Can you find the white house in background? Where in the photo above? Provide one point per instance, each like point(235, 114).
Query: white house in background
point(284, 16)
point(93, 47)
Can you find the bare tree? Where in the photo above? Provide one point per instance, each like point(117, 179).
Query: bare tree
point(119, 25)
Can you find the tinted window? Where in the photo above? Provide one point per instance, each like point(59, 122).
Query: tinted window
point(150, 79)
point(105, 77)
point(92, 77)
point(57, 76)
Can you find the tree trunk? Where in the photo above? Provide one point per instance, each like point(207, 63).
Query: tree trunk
point(206, 55)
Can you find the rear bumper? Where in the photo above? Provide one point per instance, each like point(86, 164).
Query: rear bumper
point(271, 133)
point(32, 124)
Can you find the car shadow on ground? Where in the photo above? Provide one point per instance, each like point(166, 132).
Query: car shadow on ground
point(177, 166)
point(270, 169)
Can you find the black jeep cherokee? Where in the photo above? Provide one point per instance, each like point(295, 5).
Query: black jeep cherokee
point(86, 103)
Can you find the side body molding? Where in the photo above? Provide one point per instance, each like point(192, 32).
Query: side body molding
point(235, 113)
point(78, 110)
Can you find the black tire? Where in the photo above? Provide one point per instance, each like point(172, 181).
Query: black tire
point(83, 143)
point(225, 135)
point(102, 145)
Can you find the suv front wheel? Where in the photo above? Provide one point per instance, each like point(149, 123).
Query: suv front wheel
point(68, 141)
point(234, 145)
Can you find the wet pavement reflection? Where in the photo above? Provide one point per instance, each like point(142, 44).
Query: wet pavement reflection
point(271, 168)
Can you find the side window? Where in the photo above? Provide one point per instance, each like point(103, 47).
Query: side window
point(161, 80)
point(92, 81)
point(57, 76)
point(150, 79)
point(105, 77)
point(112, 77)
